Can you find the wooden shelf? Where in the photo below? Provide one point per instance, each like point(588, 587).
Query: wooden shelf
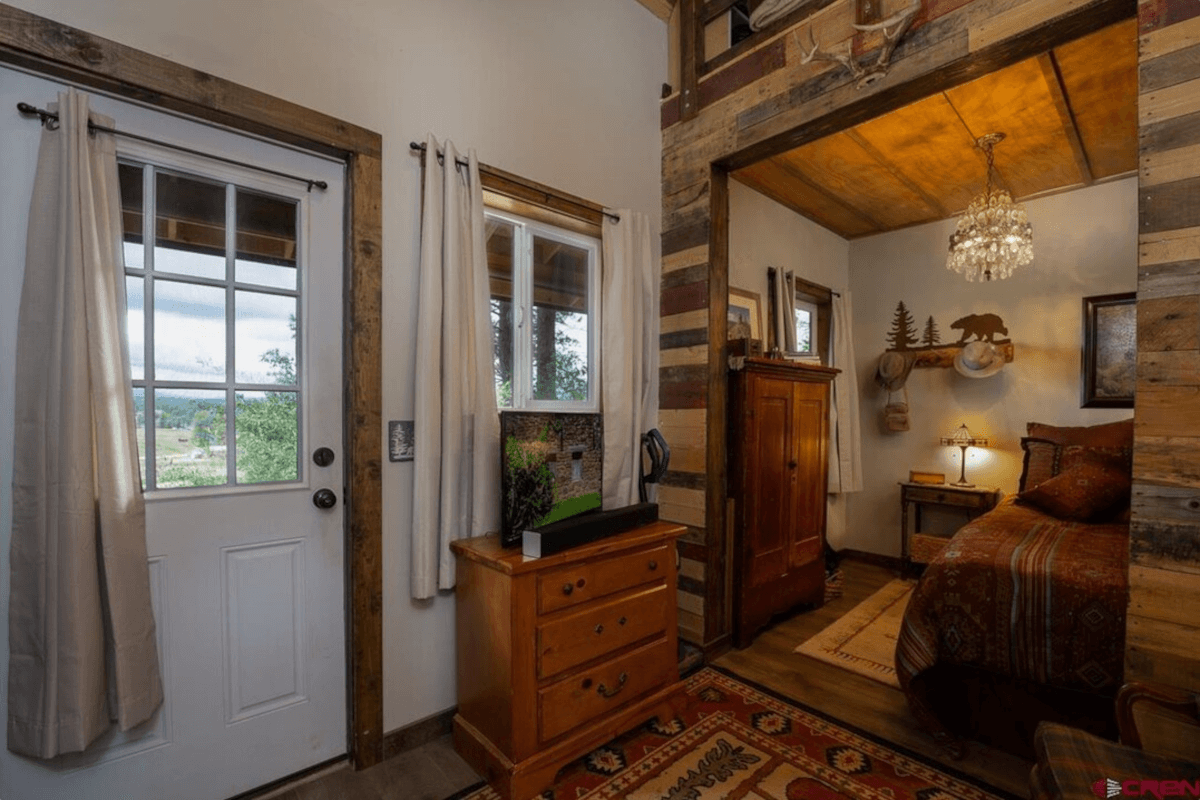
point(944, 356)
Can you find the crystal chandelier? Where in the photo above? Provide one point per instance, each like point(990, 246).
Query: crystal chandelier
point(994, 236)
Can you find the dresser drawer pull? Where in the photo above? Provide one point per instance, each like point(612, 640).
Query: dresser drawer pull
point(622, 621)
point(604, 691)
point(599, 629)
point(568, 588)
point(653, 564)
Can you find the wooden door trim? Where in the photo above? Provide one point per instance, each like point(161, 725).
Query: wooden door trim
point(59, 51)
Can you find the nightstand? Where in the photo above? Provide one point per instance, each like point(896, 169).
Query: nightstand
point(920, 548)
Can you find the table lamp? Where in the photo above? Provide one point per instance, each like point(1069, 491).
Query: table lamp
point(962, 438)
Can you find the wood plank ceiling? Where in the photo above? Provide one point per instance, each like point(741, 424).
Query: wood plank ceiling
point(1070, 116)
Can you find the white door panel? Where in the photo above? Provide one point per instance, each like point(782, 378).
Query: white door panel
point(247, 581)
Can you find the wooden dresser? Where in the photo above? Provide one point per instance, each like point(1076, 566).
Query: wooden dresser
point(560, 654)
point(778, 478)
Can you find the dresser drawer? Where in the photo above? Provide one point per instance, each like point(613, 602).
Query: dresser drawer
point(950, 498)
point(583, 581)
point(598, 628)
point(575, 701)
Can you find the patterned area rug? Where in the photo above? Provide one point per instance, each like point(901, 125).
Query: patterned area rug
point(737, 740)
point(864, 640)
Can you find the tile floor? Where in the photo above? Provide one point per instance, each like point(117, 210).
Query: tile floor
point(430, 772)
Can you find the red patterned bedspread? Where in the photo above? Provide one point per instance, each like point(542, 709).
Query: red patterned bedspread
point(1022, 594)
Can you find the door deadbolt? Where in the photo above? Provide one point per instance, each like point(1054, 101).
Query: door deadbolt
point(323, 456)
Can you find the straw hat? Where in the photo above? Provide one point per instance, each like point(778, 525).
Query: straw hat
point(979, 360)
point(893, 370)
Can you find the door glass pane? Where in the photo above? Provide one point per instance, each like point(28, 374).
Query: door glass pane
point(266, 240)
point(500, 280)
point(189, 332)
point(189, 434)
point(129, 178)
point(190, 227)
point(135, 324)
point(560, 321)
point(267, 443)
point(265, 338)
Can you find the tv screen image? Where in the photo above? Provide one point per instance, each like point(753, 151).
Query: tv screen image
point(550, 469)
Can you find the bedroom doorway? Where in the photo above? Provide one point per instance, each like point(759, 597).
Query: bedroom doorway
point(229, 271)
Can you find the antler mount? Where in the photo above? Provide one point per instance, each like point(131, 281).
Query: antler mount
point(894, 28)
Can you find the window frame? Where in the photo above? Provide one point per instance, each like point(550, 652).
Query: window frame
point(153, 159)
point(525, 229)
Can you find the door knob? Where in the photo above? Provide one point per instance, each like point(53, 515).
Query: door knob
point(324, 499)
point(323, 456)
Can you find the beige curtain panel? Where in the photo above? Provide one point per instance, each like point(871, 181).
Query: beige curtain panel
point(456, 485)
point(629, 334)
point(82, 650)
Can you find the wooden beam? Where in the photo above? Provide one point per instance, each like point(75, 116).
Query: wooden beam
point(691, 58)
point(63, 52)
point(716, 611)
point(1058, 93)
point(660, 8)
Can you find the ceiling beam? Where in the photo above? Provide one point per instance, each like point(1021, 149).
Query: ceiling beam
point(1058, 93)
point(660, 8)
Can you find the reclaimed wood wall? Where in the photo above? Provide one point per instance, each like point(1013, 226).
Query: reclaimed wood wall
point(1163, 631)
point(763, 102)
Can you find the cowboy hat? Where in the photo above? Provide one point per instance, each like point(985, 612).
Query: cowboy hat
point(979, 360)
point(893, 370)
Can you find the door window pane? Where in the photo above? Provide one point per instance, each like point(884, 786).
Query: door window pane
point(265, 338)
point(266, 240)
point(500, 242)
point(135, 324)
point(267, 443)
point(189, 227)
point(189, 438)
point(560, 321)
point(189, 332)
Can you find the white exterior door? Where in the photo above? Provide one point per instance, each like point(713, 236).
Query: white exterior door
point(235, 294)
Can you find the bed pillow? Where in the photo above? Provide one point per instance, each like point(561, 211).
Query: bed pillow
point(1091, 489)
point(1044, 445)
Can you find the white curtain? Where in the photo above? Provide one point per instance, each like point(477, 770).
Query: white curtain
point(785, 310)
point(82, 649)
point(845, 451)
point(629, 349)
point(456, 491)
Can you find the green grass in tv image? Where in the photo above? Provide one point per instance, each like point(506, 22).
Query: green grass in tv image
point(570, 507)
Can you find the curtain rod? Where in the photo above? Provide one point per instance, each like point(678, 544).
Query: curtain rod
point(49, 120)
point(441, 157)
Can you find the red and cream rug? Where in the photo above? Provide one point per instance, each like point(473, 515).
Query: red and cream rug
point(736, 740)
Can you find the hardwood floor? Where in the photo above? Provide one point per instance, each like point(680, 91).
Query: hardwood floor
point(857, 700)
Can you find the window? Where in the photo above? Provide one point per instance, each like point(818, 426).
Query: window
point(543, 289)
point(806, 326)
point(213, 295)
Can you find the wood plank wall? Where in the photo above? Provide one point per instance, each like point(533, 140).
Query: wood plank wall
point(765, 102)
point(1162, 638)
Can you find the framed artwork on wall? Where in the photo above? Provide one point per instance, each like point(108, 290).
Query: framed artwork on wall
point(746, 307)
point(1109, 350)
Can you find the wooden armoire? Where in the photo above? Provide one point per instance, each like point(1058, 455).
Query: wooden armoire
point(778, 478)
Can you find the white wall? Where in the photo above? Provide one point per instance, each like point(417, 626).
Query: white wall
point(1085, 243)
point(564, 92)
point(763, 233)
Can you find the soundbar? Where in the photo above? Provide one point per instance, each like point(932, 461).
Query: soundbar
point(558, 536)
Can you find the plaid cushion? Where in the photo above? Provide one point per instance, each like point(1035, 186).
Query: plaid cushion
point(1074, 765)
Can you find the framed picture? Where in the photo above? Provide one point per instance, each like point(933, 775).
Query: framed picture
point(746, 307)
point(1109, 350)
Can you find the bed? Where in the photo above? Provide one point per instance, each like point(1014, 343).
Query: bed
point(1032, 594)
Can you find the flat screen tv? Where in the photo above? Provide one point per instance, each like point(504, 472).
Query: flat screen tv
point(550, 469)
